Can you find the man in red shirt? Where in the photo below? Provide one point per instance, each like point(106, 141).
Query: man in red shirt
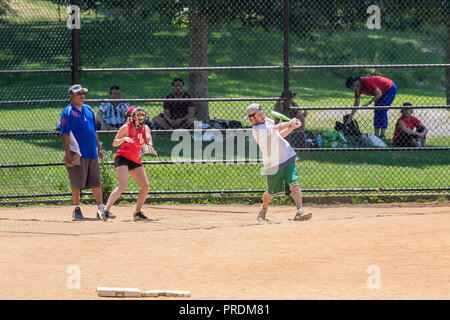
point(404, 134)
point(383, 91)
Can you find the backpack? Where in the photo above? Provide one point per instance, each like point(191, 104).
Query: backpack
point(225, 124)
point(302, 139)
point(351, 129)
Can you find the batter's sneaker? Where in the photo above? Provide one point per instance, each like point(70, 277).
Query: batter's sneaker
point(109, 215)
point(77, 215)
point(139, 216)
point(302, 215)
point(262, 215)
point(101, 215)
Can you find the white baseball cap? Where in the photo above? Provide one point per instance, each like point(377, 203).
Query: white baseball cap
point(252, 109)
point(77, 88)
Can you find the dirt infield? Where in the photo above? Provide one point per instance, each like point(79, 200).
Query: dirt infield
point(401, 251)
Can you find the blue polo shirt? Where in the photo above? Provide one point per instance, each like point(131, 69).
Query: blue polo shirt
point(82, 125)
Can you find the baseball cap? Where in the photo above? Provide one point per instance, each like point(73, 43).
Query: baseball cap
point(406, 106)
point(351, 80)
point(252, 109)
point(77, 88)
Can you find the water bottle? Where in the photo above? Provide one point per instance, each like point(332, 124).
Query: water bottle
point(419, 144)
point(319, 141)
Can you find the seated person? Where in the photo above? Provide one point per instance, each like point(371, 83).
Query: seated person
point(404, 134)
point(177, 114)
point(112, 115)
point(291, 113)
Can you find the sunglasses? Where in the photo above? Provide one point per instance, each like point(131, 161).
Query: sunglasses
point(81, 93)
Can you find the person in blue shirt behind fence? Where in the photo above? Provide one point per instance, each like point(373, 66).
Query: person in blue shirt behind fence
point(112, 115)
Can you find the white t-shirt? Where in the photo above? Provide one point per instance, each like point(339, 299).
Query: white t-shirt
point(277, 152)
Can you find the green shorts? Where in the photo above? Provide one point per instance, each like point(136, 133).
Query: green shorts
point(275, 182)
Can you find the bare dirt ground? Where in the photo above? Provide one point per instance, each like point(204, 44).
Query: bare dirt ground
point(222, 252)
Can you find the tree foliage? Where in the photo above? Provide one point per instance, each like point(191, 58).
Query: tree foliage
point(3, 7)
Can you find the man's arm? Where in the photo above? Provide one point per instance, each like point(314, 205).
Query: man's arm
point(99, 147)
point(167, 117)
point(405, 129)
point(67, 154)
point(104, 124)
point(284, 125)
point(295, 124)
point(424, 131)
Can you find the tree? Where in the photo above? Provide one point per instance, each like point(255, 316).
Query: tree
point(201, 13)
point(3, 7)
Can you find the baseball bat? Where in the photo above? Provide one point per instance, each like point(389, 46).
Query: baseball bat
point(280, 116)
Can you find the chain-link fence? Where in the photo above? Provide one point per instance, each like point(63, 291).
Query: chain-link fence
point(229, 54)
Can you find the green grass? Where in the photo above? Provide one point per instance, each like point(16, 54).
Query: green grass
point(317, 170)
point(44, 42)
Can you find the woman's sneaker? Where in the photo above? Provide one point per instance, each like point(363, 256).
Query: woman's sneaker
point(139, 216)
point(109, 215)
point(302, 215)
point(101, 215)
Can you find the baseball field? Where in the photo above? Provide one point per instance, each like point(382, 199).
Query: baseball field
point(369, 251)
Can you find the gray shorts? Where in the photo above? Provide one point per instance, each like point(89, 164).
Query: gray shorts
point(87, 175)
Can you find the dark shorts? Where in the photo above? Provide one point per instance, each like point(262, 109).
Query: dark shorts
point(405, 140)
point(86, 175)
point(122, 161)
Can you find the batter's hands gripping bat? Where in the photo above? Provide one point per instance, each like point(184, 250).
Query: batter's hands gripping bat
point(296, 123)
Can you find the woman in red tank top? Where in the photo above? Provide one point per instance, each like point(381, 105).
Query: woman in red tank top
point(131, 137)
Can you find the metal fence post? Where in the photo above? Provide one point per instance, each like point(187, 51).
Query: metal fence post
point(286, 56)
point(76, 61)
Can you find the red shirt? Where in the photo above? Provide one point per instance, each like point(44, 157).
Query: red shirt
point(371, 83)
point(131, 150)
point(411, 124)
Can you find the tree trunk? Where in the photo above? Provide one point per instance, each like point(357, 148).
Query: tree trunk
point(198, 80)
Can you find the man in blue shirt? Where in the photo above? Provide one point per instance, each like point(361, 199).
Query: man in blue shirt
point(112, 115)
point(82, 149)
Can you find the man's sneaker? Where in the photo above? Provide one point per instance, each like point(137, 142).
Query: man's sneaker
point(77, 215)
point(382, 136)
point(302, 215)
point(109, 215)
point(139, 216)
point(262, 215)
point(101, 215)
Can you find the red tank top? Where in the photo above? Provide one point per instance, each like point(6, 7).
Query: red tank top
point(131, 150)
